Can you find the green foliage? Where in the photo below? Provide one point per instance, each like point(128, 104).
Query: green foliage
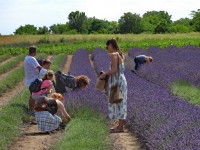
point(180, 29)
point(98, 26)
point(196, 20)
point(74, 31)
point(11, 80)
point(183, 25)
point(58, 62)
point(186, 91)
point(44, 40)
point(130, 23)
point(59, 28)
point(155, 22)
point(86, 131)
point(27, 29)
point(43, 30)
point(77, 20)
point(161, 26)
point(4, 57)
point(12, 63)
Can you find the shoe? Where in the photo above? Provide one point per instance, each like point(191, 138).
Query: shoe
point(33, 122)
point(116, 130)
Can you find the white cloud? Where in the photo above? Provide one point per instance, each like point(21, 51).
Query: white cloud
point(14, 13)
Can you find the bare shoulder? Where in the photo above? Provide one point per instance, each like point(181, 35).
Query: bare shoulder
point(113, 55)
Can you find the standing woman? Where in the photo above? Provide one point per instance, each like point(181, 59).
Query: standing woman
point(117, 110)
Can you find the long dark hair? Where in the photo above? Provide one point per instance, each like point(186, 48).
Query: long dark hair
point(115, 46)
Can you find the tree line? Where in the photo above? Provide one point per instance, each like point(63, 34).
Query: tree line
point(151, 22)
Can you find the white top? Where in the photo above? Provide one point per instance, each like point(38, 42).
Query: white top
point(30, 69)
point(42, 72)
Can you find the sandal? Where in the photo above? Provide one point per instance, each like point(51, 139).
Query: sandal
point(116, 130)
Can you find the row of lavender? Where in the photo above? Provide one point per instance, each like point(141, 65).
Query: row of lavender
point(89, 97)
point(170, 65)
point(161, 120)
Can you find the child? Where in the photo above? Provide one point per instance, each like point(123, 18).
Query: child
point(45, 87)
point(46, 63)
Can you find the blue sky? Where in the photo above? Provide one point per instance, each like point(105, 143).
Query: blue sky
point(14, 13)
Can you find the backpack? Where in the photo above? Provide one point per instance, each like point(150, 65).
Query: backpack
point(62, 80)
point(35, 86)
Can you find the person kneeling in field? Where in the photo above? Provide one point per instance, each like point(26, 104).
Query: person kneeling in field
point(45, 110)
point(142, 59)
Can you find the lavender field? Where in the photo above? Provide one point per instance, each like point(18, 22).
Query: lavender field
point(161, 120)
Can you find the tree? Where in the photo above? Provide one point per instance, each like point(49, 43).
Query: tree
point(98, 26)
point(27, 29)
point(161, 26)
point(113, 27)
point(153, 20)
point(183, 25)
point(130, 23)
point(196, 20)
point(43, 30)
point(78, 21)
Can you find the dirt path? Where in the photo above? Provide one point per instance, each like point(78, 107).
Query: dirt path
point(31, 138)
point(7, 60)
point(9, 95)
point(8, 72)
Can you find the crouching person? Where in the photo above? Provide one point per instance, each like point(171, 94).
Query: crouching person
point(45, 110)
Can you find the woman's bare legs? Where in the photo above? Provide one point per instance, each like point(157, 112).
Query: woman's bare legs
point(121, 124)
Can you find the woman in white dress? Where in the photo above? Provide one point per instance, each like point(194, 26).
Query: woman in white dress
point(116, 73)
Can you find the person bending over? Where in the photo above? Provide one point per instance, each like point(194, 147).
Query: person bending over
point(142, 59)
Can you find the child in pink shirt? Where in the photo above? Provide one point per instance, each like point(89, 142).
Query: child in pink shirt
point(45, 87)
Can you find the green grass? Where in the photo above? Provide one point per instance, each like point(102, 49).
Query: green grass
point(84, 37)
point(4, 57)
point(186, 91)
point(86, 131)
point(90, 42)
point(12, 63)
point(12, 116)
point(58, 62)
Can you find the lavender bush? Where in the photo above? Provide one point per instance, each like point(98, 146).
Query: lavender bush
point(161, 120)
point(91, 97)
point(169, 65)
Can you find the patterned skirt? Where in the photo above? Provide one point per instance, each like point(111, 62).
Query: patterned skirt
point(46, 121)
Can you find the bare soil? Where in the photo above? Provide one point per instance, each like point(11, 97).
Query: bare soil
point(9, 95)
point(1, 63)
point(8, 72)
